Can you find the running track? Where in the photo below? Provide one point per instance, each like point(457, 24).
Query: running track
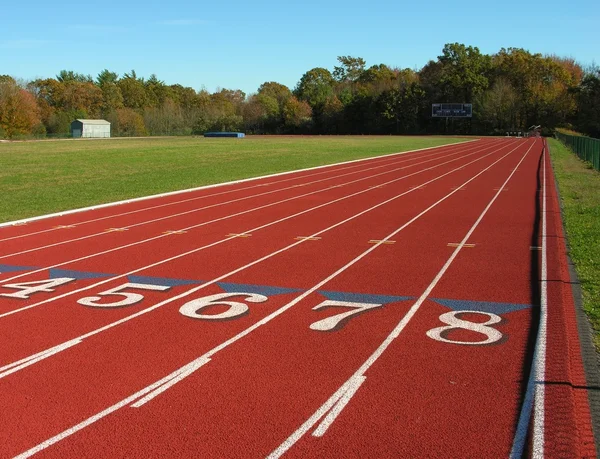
point(412, 305)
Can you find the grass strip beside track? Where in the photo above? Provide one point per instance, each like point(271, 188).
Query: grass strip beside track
point(579, 187)
point(45, 177)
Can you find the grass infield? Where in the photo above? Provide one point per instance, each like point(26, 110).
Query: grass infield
point(38, 178)
point(579, 186)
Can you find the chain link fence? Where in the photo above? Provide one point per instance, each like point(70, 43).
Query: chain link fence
point(587, 148)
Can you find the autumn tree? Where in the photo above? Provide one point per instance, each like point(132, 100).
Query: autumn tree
point(333, 116)
point(127, 122)
point(273, 98)
point(112, 98)
point(296, 114)
point(498, 106)
point(588, 114)
point(254, 115)
point(545, 87)
point(379, 78)
point(315, 87)
point(19, 113)
point(133, 91)
point(513, 88)
point(186, 97)
point(156, 91)
point(83, 97)
point(168, 119)
point(234, 97)
point(401, 106)
point(464, 72)
point(376, 73)
point(66, 76)
point(350, 69)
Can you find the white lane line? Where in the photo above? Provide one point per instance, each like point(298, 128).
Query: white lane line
point(143, 241)
point(195, 289)
point(540, 362)
point(178, 376)
point(184, 370)
point(360, 373)
point(92, 419)
point(535, 392)
point(211, 206)
point(183, 201)
point(353, 385)
point(393, 161)
point(330, 404)
point(33, 359)
point(215, 185)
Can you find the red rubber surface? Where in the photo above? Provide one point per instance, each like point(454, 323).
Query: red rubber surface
point(262, 374)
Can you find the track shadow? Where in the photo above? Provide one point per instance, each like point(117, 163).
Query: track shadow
point(567, 383)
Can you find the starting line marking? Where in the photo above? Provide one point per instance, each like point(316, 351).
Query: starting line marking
point(61, 436)
point(64, 226)
point(456, 244)
point(116, 229)
point(175, 232)
point(238, 235)
point(307, 238)
point(375, 241)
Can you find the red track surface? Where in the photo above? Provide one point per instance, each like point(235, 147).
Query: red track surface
point(430, 254)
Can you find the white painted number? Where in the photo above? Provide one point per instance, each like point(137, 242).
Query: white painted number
point(192, 308)
point(339, 320)
point(128, 297)
point(29, 288)
point(451, 318)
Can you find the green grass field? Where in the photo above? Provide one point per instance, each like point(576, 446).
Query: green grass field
point(579, 187)
point(37, 178)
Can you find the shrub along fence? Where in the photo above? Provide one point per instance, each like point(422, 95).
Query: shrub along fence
point(586, 148)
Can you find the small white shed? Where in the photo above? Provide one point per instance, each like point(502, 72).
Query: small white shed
point(90, 128)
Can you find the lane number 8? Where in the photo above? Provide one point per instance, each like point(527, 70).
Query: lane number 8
point(454, 322)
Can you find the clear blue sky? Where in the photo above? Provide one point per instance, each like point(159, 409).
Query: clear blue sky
point(241, 44)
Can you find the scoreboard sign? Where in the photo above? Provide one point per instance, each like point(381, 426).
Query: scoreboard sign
point(452, 110)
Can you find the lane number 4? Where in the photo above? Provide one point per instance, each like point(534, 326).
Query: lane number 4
point(29, 288)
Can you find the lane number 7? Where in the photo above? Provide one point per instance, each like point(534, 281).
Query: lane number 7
point(339, 320)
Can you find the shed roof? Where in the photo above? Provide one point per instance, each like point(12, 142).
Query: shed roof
point(93, 121)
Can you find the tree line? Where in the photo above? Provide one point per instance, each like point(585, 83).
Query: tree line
point(510, 90)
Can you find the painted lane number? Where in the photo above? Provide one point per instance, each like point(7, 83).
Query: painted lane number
point(454, 323)
point(234, 309)
point(226, 310)
point(128, 298)
point(29, 288)
point(339, 320)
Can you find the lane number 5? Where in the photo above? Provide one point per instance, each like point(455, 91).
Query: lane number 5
point(128, 298)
